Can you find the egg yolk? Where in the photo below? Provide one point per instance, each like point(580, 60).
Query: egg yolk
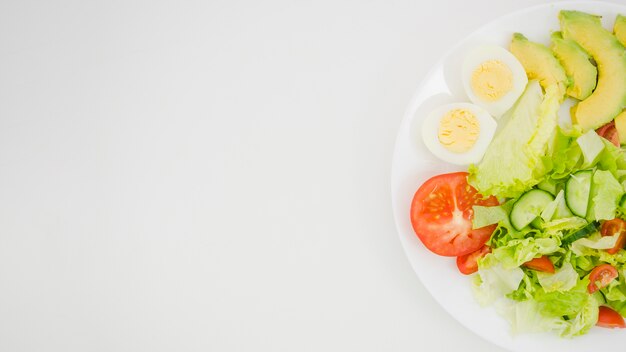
point(491, 80)
point(458, 130)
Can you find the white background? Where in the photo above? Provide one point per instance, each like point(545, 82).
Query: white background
point(214, 175)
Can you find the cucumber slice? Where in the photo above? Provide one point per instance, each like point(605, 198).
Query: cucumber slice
point(577, 191)
point(584, 232)
point(528, 207)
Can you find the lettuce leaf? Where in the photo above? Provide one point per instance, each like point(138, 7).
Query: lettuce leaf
point(606, 193)
point(494, 281)
point(515, 159)
point(484, 216)
point(566, 156)
point(591, 146)
point(563, 279)
point(525, 317)
point(590, 245)
point(519, 251)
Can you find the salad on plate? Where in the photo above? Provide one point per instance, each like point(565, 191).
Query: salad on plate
point(539, 217)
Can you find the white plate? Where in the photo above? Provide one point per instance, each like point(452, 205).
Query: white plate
point(413, 164)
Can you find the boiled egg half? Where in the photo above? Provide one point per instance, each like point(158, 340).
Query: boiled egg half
point(458, 133)
point(493, 78)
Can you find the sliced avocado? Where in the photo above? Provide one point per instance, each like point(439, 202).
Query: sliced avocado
point(609, 98)
point(620, 29)
point(539, 63)
point(620, 126)
point(581, 72)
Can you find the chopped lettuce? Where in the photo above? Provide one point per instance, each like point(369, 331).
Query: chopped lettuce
point(525, 317)
point(568, 313)
point(519, 251)
point(564, 224)
point(591, 146)
point(590, 245)
point(557, 209)
point(606, 193)
point(615, 291)
point(484, 216)
point(494, 280)
point(563, 279)
point(566, 156)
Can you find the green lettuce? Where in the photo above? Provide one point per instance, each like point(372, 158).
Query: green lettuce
point(563, 279)
point(515, 161)
point(494, 281)
point(556, 226)
point(606, 193)
point(484, 216)
point(568, 313)
point(590, 245)
point(566, 156)
point(591, 146)
point(519, 251)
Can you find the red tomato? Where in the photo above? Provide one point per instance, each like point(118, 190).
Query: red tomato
point(468, 264)
point(608, 318)
point(540, 264)
point(609, 132)
point(610, 228)
point(601, 276)
point(441, 215)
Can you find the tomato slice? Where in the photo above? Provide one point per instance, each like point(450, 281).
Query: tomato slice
point(612, 227)
point(468, 264)
point(608, 318)
point(601, 276)
point(609, 132)
point(540, 264)
point(441, 215)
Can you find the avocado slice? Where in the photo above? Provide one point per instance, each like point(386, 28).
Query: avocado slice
point(539, 63)
point(609, 98)
point(620, 29)
point(581, 72)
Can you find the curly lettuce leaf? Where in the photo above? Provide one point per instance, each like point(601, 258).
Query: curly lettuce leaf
point(519, 251)
point(494, 281)
point(606, 193)
point(563, 279)
point(515, 159)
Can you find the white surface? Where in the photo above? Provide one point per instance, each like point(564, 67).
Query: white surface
point(213, 176)
point(413, 164)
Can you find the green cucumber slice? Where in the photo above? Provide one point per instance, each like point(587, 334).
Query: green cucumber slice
point(584, 232)
point(528, 207)
point(577, 191)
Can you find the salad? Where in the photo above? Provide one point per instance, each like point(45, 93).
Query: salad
point(539, 217)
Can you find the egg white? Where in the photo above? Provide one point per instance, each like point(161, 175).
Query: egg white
point(430, 134)
point(491, 52)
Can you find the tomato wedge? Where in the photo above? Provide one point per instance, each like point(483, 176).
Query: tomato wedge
point(612, 227)
point(608, 318)
point(468, 264)
point(601, 276)
point(540, 264)
point(441, 215)
point(609, 132)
